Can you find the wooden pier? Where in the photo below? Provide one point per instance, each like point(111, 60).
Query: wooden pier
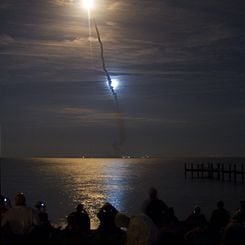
point(221, 171)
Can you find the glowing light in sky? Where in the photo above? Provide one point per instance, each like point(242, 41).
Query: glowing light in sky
point(88, 4)
point(114, 83)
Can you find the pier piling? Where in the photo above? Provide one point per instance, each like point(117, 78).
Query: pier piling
point(220, 171)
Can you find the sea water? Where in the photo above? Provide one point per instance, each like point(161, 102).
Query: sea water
point(62, 183)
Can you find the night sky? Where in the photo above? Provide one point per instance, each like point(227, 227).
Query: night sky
point(180, 65)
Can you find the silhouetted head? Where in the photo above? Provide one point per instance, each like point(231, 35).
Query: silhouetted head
point(153, 193)
point(220, 204)
point(20, 199)
point(107, 214)
point(79, 207)
point(108, 208)
point(197, 210)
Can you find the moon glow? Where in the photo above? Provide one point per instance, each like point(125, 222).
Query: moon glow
point(88, 4)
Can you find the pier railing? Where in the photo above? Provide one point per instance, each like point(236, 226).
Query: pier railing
point(220, 171)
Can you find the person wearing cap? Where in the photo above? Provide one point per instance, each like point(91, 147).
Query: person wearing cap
point(20, 219)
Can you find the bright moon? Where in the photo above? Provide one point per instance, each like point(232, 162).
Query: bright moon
point(88, 4)
point(114, 83)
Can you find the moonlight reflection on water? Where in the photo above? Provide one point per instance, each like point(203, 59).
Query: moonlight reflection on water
point(64, 182)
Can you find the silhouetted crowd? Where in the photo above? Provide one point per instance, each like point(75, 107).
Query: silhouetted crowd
point(155, 225)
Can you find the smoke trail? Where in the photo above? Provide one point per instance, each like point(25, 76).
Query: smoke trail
point(120, 122)
point(104, 66)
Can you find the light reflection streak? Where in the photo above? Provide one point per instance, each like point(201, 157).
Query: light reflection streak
point(80, 181)
point(89, 181)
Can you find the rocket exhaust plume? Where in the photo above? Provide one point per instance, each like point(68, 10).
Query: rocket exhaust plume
point(119, 117)
point(104, 66)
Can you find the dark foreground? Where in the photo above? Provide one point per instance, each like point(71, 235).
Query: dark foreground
point(156, 225)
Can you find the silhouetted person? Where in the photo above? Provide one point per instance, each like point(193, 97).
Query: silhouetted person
point(72, 235)
point(219, 219)
point(83, 220)
point(107, 215)
point(171, 232)
point(77, 230)
point(107, 232)
point(155, 208)
point(19, 221)
point(196, 219)
point(43, 233)
point(196, 226)
point(42, 213)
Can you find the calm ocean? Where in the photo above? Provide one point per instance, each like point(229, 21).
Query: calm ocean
point(64, 182)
